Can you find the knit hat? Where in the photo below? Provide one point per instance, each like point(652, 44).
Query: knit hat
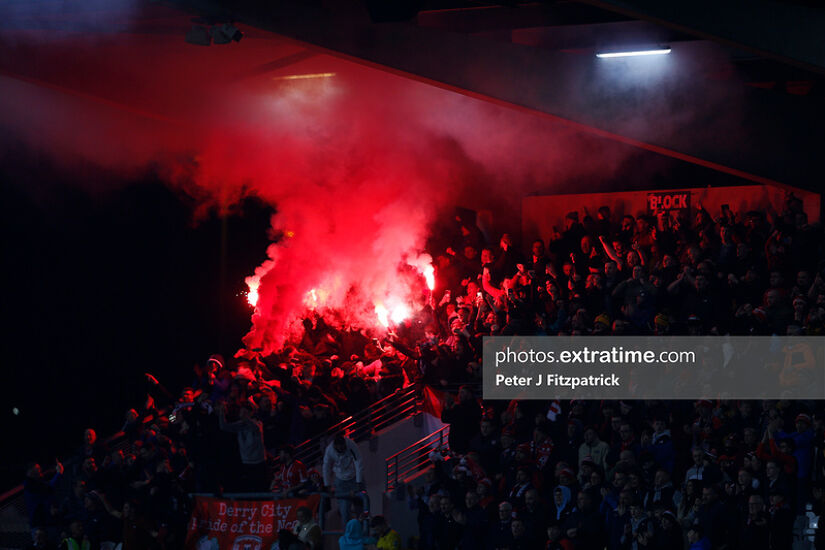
point(803, 417)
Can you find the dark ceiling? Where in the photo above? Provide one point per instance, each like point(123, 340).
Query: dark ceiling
point(742, 90)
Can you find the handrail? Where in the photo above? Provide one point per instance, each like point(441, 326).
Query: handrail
point(409, 461)
point(363, 424)
point(408, 390)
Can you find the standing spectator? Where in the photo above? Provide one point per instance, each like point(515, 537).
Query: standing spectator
point(39, 493)
point(501, 532)
point(463, 417)
point(76, 540)
point(343, 472)
point(714, 517)
point(669, 535)
point(584, 526)
point(662, 491)
point(594, 447)
point(447, 529)
point(291, 474)
point(803, 442)
point(307, 530)
point(353, 538)
point(386, 537)
point(697, 539)
point(40, 541)
point(702, 468)
point(249, 432)
point(754, 532)
point(781, 522)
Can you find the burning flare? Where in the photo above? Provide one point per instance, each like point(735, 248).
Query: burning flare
point(252, 296)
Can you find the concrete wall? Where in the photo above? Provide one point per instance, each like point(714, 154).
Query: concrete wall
point(375, 452)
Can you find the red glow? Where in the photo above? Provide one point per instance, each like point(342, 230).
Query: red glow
point(356, 167)
point(398, 312)
point(252, 297)
point(429, 275)
point(382, 314)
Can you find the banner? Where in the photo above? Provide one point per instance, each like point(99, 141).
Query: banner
point(668, 202)
point(223, 524)
point(434, 401)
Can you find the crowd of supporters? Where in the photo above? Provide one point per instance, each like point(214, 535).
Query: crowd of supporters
point(710, 474)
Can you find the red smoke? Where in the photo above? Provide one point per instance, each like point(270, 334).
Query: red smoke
point(356, 166)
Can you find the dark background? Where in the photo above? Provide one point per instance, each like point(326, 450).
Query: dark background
point(103, 280)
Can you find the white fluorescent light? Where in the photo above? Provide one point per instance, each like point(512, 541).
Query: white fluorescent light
point(658, 51)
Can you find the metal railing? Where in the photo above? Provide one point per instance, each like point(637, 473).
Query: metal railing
point(408, 462)
point(362, 425)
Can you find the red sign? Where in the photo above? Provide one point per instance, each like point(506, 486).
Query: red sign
point(218, 524)
point(658, 202)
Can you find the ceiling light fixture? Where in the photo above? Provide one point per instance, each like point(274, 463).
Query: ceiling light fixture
point(661, 50)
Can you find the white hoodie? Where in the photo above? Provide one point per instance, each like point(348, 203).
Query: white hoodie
point(344, 466)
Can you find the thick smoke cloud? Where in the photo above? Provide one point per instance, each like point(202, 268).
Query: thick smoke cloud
point(356, 165)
